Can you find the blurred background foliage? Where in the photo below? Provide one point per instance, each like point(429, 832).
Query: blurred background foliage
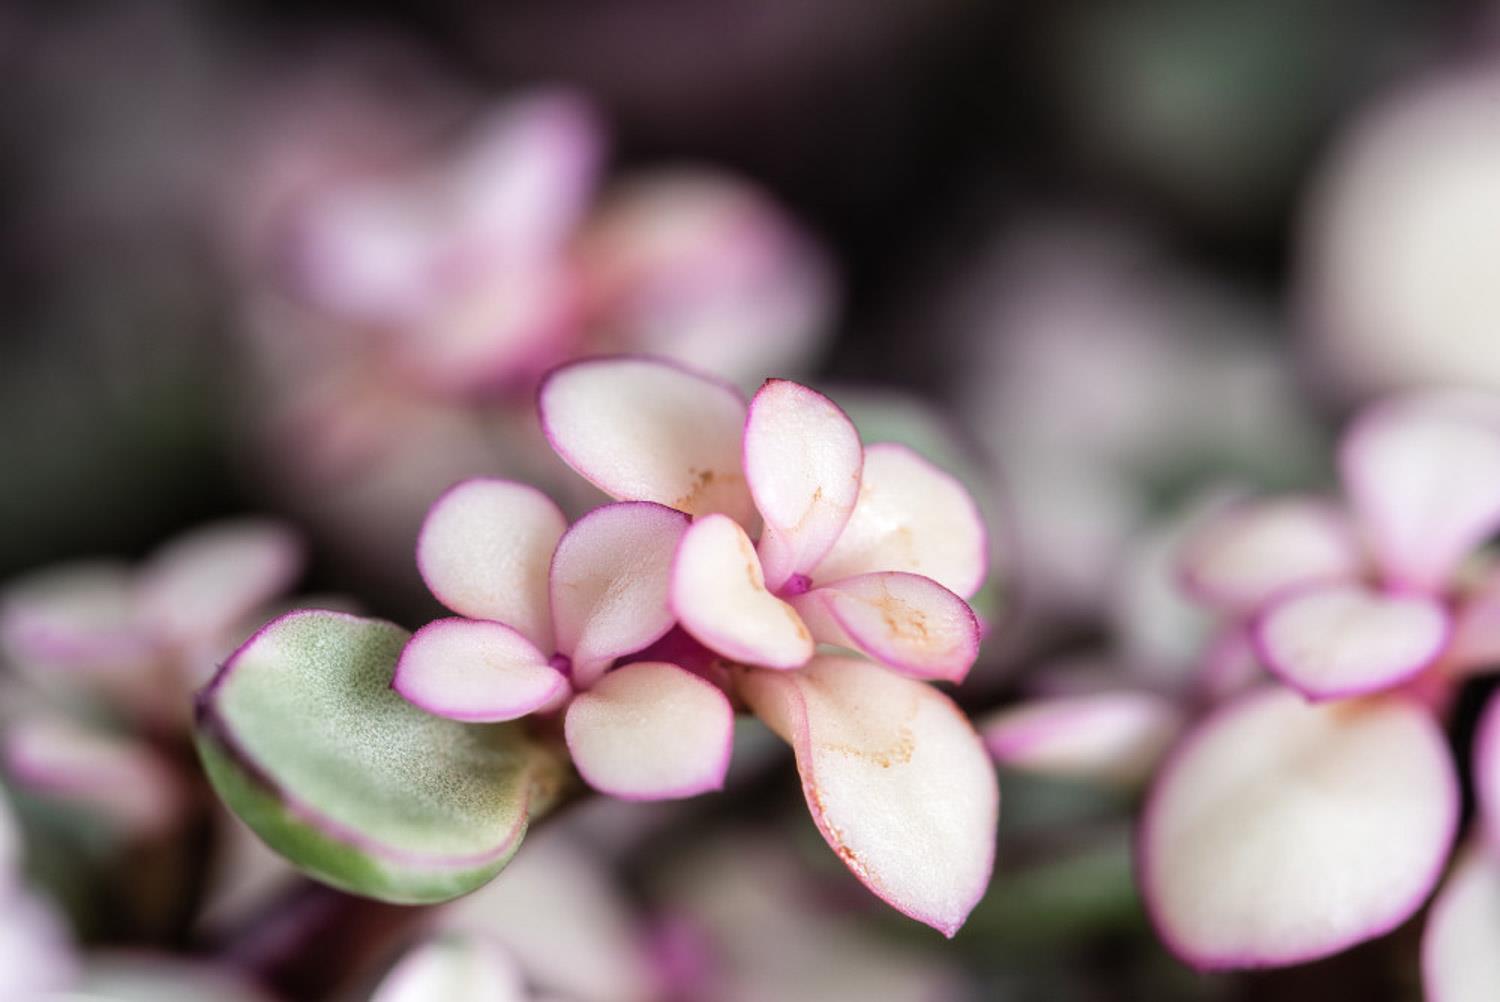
point(907, 138)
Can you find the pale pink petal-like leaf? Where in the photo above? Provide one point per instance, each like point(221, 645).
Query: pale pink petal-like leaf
point(1459, 959)
point(455, 966)
point(523, 184)
point(1280, 832)
point(82, 615)
point(719, 596)
point(475, 670)
point(1423, 477)
point(609, 583)
point(365, 251)
point(651, 731)
point(202, 584)
point(1339, 640)
point(896, 778)
point(484, 551)
point(905, 621)
point(125, 780)
point(802, 460)
point(1253, 550)
point(641, 429)
point(1110, 737)
point(911, 516)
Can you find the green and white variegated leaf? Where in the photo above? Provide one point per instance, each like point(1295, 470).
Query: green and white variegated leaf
point(303, 737)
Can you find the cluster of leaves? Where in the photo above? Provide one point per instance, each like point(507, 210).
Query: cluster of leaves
point(407, 767)
point(1307, 816)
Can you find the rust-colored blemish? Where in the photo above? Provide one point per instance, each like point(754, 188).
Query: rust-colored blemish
point(902, 619)
point(835, 835)
point(800, 626)
point(752, 563)
point(703, 481)
point(899, 752)
point(810, 510)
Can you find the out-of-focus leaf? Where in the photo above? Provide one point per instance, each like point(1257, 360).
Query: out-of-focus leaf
point(468, 967)
point(123, 977)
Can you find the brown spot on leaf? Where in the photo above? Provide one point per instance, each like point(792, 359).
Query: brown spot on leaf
point(898, 752)
point(903, 620)
point(835, 835)
point(703, 481)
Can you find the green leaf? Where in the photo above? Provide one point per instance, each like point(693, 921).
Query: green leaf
point(303, 737)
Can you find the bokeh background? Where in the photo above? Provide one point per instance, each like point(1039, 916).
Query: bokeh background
point(1106, 259)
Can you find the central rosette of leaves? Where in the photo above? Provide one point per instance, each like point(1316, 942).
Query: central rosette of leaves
point(743, 536)
point(871, 550)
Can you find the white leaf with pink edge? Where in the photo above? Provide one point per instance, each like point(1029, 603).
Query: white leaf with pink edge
point(802, 460)
point(124, 780)
point(651, 731)
point(485, 549)
point(202, 584)
point(470, 967)
point(1423, 477)
point(1280, 832)
point(78, 616)
point(474, 670)
point(719, 596)
point(1487, 770)
point(610, 580)
point(1107, 737)
point(896, 779)
point(910, 516)
point(1256, 549)
point(907, 622)
point(1340, 640)
point(1459, 959)
point(641, 429)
